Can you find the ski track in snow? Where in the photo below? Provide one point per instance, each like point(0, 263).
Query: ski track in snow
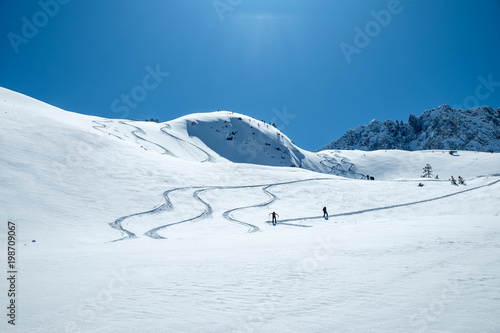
point(337, 168)
point(228, 215)
point(168, 206)
point(471, 163)
point(194, 151)
point(395, 206)
point(188, 146)
point(153, 233)
point(117, 224)
point(141, 131)
point(101, 126)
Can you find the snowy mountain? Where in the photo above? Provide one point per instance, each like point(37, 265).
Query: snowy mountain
point(127, 226)
point(242, 139)
point(476, 129)
point(203, 137)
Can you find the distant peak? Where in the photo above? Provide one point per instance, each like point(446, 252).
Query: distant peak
point(476, 129)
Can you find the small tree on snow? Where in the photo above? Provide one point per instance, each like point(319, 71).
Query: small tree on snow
point(427, 171)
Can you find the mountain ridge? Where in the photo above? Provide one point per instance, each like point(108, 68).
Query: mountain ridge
point(475, 129)
point(214, 137)
point(217, 138)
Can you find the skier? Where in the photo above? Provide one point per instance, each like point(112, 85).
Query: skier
point(274, 214)
point(325, 213)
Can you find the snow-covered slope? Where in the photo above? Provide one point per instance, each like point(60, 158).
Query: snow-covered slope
point(476, 129)
point(242, 139)
point(145, 227)
point(400, 164)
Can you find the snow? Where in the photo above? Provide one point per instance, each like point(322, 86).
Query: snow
point(392, 257)
point(475, 129)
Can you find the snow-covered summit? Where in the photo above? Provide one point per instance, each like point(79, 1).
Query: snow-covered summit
point(221, 136)
point(242, 139)
point(476, 129)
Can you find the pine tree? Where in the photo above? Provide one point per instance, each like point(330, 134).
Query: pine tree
point(427, 171)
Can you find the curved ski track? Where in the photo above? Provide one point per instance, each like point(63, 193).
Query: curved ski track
point(228, 215)
point(186, 146)
point(153, 233)
point(337, 168)
point(208, 211)
point(100, 126)
point(141, 131)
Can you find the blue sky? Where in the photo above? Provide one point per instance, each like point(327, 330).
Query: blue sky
point(314, 67)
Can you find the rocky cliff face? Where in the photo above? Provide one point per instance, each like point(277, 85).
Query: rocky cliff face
point(476, 129)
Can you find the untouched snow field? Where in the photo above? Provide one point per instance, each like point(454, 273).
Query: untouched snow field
point(145, 227)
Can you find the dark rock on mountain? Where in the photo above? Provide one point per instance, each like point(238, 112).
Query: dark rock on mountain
point(476, 129)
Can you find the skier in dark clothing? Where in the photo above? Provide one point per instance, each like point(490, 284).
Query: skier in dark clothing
point(274, 214)
point(325, 213)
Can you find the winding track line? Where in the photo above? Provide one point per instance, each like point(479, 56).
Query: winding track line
point(185, 144)
point(117, 224)
point(207, 212)
point(100, 127)
point(153, 233)
point(229, 214)
point(272, 197)
point(141, 131)
point(167, 206)
point(337, 168)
